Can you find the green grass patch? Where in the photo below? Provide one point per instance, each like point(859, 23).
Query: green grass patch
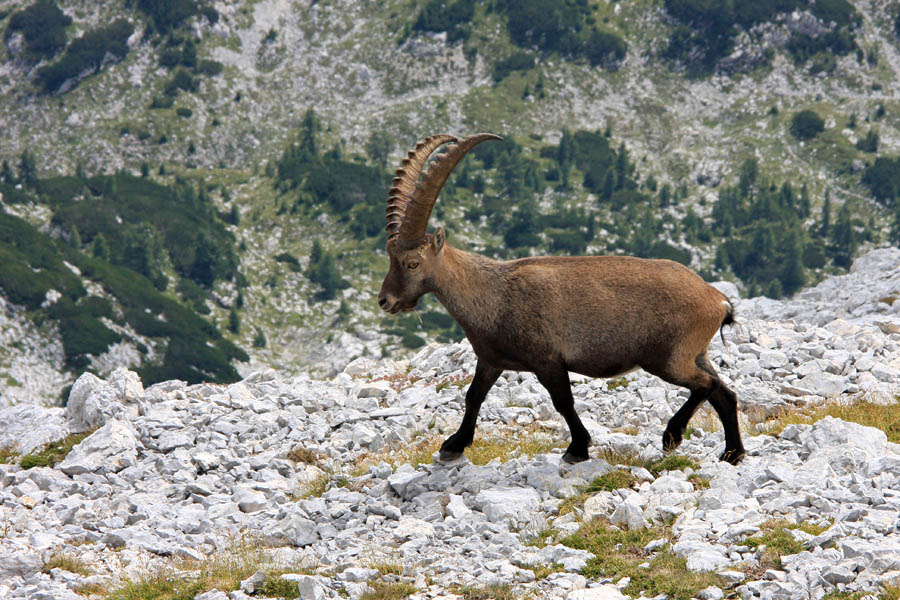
point(619, 553)
point(672, 462)
point(8, 456)
point(778, 541)
point(54, 452)
point(616, 479)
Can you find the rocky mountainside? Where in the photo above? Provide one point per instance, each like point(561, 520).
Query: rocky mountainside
point(202, 105)
point(298, 487)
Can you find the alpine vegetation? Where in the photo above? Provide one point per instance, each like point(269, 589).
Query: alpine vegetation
point(599, 316)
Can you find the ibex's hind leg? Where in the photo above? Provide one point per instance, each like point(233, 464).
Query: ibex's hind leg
point(701, 378)
point(485, 377)
point(557, 383)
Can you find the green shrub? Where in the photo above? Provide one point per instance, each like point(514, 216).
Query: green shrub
point(519, 61)
point(87, 53)
point(883, 178)
point(446, 15)
point(43, 25)
point(806, 124)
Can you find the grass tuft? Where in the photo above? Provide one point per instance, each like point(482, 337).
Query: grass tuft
point(54, 452)
point(495, 591)
point(672, 462)
point(8, 456)
point(776, 537)
point(388, 591)
point(66, 562)
point(618, 553)
point(885, 417)
point(299, 454)
point(614, 480)
point(387, 568)
point(223, 571)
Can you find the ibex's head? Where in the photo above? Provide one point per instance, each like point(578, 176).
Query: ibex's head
point(414, 254)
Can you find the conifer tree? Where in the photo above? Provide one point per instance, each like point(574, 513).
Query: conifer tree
point(825, 227)
point(843, 238)
point(6, 173)
point(100, 247)
point(234, 321)
point(27, 168)
point(793, 273)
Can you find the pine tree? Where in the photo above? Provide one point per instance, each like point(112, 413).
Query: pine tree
point(27, 168)
point(6, 173)
point(621, 166)
point(804, 206)
point(75, 237)
point(793, 273)
point(774, 289)
point(259, 340)
point(100, 248)
point(234, 321)
point(825, 227)
point(843, 238)
point(609, 186)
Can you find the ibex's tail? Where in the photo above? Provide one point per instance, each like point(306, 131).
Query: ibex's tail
point(728, 319)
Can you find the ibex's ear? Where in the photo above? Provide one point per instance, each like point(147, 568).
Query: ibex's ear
point(437, 241)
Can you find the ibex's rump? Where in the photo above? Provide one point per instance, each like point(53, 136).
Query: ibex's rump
point(595, 315)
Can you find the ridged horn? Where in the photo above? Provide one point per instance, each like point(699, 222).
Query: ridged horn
point(414, 221)
point(403, 185)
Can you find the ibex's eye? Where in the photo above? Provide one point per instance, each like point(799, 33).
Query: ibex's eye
point(412, 265)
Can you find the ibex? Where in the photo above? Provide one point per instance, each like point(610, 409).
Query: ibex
point(599, 316)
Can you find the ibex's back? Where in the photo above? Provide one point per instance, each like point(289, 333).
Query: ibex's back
point(599, 316)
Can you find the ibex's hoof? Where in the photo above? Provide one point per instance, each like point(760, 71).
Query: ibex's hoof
point(570, 458)
point(733, 456)
point(670, 440)
point(449, 455)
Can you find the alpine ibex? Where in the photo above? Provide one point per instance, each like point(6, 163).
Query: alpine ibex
point(595, 315)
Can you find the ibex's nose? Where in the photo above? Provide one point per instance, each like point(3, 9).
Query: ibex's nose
point(382, 301)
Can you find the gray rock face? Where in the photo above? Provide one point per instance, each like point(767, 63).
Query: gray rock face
point(110, 449)
point(26, 428)
point(91, 403)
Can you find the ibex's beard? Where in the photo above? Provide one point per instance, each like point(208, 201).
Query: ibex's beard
point(398, 307)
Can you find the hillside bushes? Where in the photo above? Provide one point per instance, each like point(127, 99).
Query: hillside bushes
point(43, 26)
point(707, 29)
point(87, 53)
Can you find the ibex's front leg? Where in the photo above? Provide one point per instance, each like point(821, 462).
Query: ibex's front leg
point(556, 380)
point(485, 377)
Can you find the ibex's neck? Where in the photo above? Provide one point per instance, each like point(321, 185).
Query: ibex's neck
point(470, 287)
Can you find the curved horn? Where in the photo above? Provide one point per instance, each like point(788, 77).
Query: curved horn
point(403, 185)
point(412, 224)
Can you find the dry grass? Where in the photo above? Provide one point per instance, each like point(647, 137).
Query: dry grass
point(885, 417)
point(388, 591)
point(66, 562)
point(460, 381)
point(523, 441)
point(8, 456)
point(223, 571)
point(496, 591)
point(299, 454)
point(387, 568)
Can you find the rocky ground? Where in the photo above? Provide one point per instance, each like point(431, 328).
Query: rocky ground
point(323, 475)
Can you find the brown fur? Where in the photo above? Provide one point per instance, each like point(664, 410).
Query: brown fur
point(595, 315)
